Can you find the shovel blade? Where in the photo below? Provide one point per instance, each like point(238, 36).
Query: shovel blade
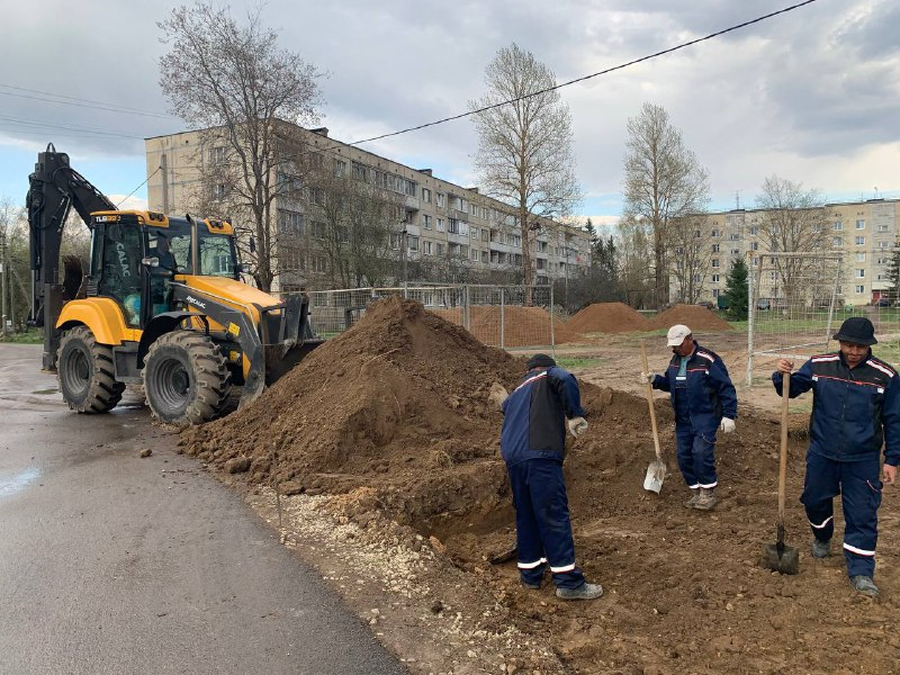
point(782, 559)
point(656, 474)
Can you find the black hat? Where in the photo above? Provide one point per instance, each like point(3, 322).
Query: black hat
point(540, 361)
point(858, 330)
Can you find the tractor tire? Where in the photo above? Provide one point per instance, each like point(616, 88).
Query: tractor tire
point(86, 373)
point(186, 379)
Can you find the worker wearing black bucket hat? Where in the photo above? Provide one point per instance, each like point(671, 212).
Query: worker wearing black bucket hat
point(856, 410)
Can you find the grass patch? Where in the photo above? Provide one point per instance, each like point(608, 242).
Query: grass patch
point(32, 336)
point(571, 363)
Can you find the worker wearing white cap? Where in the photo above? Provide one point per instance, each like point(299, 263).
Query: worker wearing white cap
point(705, 401)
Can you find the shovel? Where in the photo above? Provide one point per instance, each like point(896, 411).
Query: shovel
point(778, 557)
point(656, 472)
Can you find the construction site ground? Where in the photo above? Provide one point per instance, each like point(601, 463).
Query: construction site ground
point(378, 459)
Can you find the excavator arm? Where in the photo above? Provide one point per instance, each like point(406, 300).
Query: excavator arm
point(54, 189)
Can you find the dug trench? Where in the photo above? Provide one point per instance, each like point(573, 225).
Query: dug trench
point(378, 459)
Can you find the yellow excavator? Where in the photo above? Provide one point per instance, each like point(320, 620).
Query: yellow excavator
point(162, 305)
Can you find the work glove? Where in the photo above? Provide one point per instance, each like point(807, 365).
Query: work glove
point(727, 425)
point(577, 426)
point(645, 378)
point(497, 395)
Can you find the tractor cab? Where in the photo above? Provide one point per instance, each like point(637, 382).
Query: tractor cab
point(135, 256)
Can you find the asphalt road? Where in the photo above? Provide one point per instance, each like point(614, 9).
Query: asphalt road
point(111, 563)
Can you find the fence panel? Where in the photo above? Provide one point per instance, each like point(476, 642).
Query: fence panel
point(508, 317)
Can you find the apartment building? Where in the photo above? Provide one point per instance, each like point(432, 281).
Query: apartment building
point(863, 232)
point(436, 220)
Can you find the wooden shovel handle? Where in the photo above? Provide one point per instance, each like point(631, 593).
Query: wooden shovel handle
point(646, 369)
point(782, 460)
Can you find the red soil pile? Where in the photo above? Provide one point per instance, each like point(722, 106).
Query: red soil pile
point(695, 317)
point(607, 317)
point(522, 326)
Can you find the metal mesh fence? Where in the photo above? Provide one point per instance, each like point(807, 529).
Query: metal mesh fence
point(507, 317)
point(797, 302)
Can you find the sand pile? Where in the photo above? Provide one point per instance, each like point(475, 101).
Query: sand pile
point(522, 326)
point(607, 317)
point(697, 318)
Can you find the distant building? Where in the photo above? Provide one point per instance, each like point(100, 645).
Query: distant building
point(437, 220)
point(864, 232)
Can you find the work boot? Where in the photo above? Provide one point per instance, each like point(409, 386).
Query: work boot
point(821, 549)
point(861, 583)
point(692, 502)
point(531, 587)
point(584, 592)
point(707, 499)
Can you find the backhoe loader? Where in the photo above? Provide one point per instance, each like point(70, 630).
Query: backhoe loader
point(162, 305)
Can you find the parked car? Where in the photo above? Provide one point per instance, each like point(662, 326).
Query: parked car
point(883, 302)
point(763, 304)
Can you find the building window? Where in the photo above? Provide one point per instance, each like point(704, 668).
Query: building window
point(754, 245)
point(837, 242)
point(860, 241)
point(860, 289)
point(359, 171)
point(715, 278)
point(714, 233)
point(715, 292)
point(715, 248)
point(715, 263)
point(439, 198)
point(475, 255)
point(290, 222)
point(426, 247)
point(340, 168)
point(754, 230)
point(219, 191)
point(453, 226)
point(318, 229)
point(440, 225)
point(860, 224)
point(217, 155)
point(860, 274)
point(440, 249)
point(426, 221)
point(412, 242)
point(860, 257)
point(426, 195)
point(838, 226)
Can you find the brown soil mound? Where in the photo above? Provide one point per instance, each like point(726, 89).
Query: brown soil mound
point(695, 317)
point(607, 317)
point(522, 326)
point(395, 413)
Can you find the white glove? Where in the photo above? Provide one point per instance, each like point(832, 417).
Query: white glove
point(727, 425)
point(577, 426)
point(645, 378)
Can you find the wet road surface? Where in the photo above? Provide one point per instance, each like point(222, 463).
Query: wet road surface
point(113, 563)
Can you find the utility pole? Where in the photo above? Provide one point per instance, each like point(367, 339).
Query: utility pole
point(3, 280)
point(405, 252)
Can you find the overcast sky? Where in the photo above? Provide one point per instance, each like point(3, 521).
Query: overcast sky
point(812, 95)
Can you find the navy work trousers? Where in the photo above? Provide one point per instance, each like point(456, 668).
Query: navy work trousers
point(543, 528)
point(859, 485)
point(696, 456)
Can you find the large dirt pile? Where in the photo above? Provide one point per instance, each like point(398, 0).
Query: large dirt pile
point(394, 413)
point(607, 317)
point(694, 316)
point(522, 326)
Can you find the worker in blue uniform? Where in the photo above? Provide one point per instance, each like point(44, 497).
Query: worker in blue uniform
point(532, 442)
point(705, 401)
point(856, 411)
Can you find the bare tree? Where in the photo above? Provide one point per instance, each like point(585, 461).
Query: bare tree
point(237, 84)
point(689, 239)
point(352, 223)
point(663, 181)
point(525, 144)
point(634, 246)
point(792, 221)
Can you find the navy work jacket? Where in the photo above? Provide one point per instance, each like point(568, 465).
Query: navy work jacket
point(534, 415)
point(855, 410)
point(704, 396)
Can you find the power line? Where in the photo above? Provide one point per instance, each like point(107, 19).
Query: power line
point(158, 169)
point(588, 77)
point(65, 127)
point(74, 101)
